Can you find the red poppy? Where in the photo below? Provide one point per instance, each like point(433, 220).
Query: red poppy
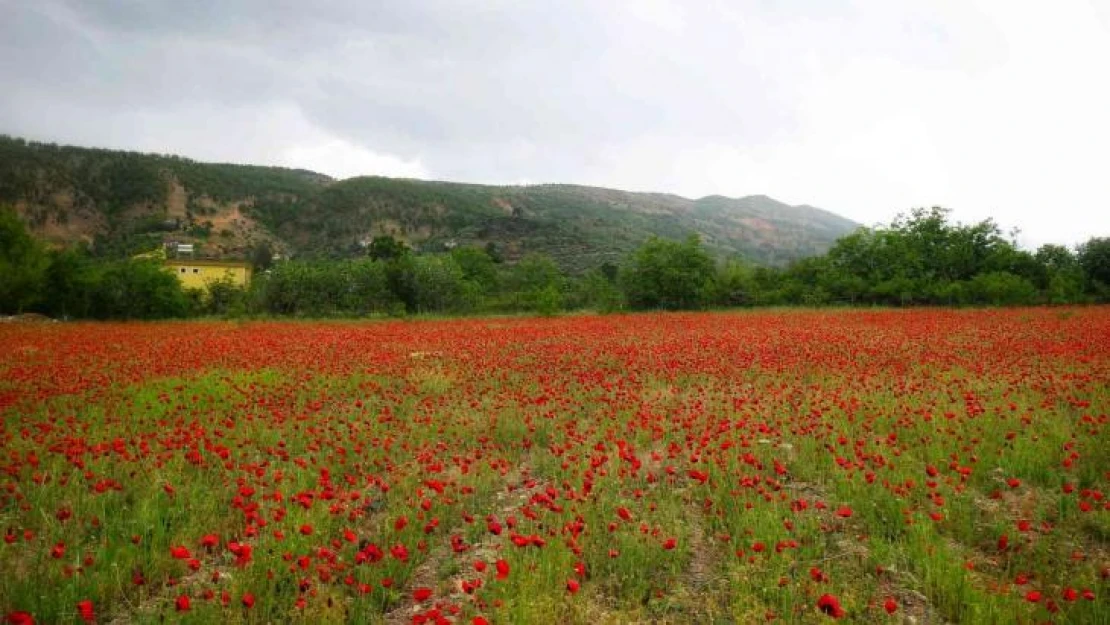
point(85, 611)
point(182, 604)
point(421, 594)
point(830, 605)
point(890, 605)
point(502, 569)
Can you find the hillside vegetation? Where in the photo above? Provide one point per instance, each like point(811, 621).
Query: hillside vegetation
point(125, 202)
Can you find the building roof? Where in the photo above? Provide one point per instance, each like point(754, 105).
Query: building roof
point(199, 262)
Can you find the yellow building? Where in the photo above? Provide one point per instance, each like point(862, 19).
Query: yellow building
point(198, 274)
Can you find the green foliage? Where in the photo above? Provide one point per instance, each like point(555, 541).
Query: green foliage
point(923, 259)
point(598, 291)
point(261, 256)
point(1000, 288)
point(133, 289)
point(386, 248)
point(734, 285)
point(540, 248)
point(71, 282)
point(224, 298)
point(538, 284)
point(580, 228)
point(477, 266)
point(669, 275)
point(23, 265)
point(1094, 260)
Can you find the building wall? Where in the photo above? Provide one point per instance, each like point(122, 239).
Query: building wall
point(199, 276)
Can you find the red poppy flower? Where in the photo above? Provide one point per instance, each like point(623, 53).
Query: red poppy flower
point(572, 586)
point(890, 605)
point(85, 611)
point(421, 594)
point(830, 605)
point(182, 604)
point(502, 569)
point(248, 600)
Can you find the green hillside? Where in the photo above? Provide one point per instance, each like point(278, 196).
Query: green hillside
point(124, 202)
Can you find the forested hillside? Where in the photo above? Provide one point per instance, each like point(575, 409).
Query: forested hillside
point(122, 203)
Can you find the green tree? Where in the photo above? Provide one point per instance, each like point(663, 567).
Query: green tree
point(71, 280)
point(386, 248)
point(225, 297)
point(262, 256)
point(597, 291)
point(537, 284)
point(667, 274)
point(733, 285)
point(1094, 260)
point(439, 285)
point(369, 290)
point(477, 266)
point(1062, 281)
point(137, 289)
point(23, 265)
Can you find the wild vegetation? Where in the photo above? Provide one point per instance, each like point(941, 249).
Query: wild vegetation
point(123, 203)
point(870, 467)
point(921, 259)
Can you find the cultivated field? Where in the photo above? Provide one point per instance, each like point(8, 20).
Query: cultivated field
point(939, 466)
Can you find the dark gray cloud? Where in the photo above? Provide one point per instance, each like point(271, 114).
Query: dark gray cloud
point(867, 107)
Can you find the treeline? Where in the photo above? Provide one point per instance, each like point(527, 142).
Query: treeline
point(920, 259)
point(72, 283)
point(923, 259)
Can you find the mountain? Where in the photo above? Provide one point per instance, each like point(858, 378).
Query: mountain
point(127, 202)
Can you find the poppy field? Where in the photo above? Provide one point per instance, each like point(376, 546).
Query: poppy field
point(920, 466)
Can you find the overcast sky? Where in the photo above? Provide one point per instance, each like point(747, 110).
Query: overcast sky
point(868, 107)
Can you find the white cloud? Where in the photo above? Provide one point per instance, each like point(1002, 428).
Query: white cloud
point(342, 159)
point(995, 108)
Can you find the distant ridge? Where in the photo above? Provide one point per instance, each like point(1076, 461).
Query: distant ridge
point(123, 202)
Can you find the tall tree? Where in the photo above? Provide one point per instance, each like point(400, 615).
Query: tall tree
point(669, 274)
point(23, 265)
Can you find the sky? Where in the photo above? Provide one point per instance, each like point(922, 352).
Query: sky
point(993, 108)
